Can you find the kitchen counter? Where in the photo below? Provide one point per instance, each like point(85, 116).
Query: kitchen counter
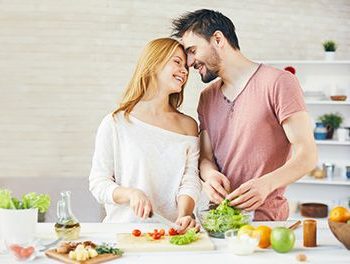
point(328, 251)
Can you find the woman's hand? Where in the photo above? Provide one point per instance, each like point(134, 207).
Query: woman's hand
point(139, 203)
point(186, 222)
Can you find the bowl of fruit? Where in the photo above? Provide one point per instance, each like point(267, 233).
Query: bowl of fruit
point(218, 219)
point(339, 223)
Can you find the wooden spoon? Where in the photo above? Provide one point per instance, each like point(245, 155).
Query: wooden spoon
point(295, 225)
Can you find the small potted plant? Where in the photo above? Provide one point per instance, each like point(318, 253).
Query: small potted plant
point(19, 217)
point(331, 121)
point(329, 47)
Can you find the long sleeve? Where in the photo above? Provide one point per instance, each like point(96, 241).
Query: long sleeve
point(190, 182)
point(101, 179)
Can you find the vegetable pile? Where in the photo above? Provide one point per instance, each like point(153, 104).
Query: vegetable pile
point(29, 200)
point(187, 238)
point(223, 218)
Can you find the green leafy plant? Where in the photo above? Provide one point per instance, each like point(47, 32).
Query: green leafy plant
point(329, 45)
point(187, 238)
point(29, 200)
point(224, 217)
point(332, 120)
point(107, 249)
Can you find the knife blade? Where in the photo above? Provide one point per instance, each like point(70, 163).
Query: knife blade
point(165, 221)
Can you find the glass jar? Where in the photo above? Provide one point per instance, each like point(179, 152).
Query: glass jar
point(67, 225)
point(320, 132)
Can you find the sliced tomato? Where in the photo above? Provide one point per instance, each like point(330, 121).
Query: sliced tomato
point(136, 232)
point(156, 236)
point(162, 232)
point(26, 252)
point(172, 232)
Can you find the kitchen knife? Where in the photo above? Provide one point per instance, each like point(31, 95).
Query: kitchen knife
point(165, 221)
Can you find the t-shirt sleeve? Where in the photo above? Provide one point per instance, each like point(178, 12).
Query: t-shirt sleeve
point(200, 111)
point(287, 97)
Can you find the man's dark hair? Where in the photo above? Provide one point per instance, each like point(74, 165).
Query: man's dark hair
point(205, 22)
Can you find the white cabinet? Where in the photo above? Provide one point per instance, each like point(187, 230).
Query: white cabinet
point(330, 77)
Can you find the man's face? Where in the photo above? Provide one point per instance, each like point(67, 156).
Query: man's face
point(201, 55)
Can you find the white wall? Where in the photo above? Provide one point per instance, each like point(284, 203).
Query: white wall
point(64, 64)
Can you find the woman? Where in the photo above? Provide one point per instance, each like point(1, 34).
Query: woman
point(146, 152)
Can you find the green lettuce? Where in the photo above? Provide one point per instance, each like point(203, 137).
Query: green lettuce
point(224, 217)
point(187, 238)
point(30, 200)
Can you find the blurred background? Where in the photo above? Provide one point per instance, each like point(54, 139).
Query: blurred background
point(64, 65)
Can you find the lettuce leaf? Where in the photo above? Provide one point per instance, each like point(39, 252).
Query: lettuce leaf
point(187, 238)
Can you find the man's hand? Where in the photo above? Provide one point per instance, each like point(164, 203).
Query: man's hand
point(250, 195)
point(217, 187)
point(139, 203)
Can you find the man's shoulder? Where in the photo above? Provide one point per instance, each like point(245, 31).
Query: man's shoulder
point(272, 74)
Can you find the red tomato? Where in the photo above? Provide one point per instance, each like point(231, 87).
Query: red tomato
point(15, 248)
point(156, 236)
point(162, 232)
point(136, 232)
point(172, 232)
point(26, 252)
point(155, 231)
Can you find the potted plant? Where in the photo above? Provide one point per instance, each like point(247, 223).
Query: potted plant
point(329, 47)
point(19, 217)
point(331, 121)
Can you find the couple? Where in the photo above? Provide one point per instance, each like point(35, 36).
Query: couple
point(147, 152)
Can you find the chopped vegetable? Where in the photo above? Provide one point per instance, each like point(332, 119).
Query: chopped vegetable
point(223, 218)
point(187, 238)
point(30, 200)
point(172, 232)
point(136, 232)
point(106, 249)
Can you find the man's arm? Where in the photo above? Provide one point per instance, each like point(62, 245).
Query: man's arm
point(216, 185)
point(298, 130)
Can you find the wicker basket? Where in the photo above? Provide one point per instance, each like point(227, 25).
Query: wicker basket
point(341, 231)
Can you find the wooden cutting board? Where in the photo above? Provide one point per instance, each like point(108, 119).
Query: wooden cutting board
point(130, 243)
point(64, 258)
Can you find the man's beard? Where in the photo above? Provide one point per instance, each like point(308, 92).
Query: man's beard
point(209, 76)
point(214, 62)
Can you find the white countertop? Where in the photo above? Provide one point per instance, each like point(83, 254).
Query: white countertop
point(329, 250)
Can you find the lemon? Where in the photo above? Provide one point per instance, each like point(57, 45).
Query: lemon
point(246, 229)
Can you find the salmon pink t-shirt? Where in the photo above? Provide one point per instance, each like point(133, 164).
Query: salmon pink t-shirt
point(247, 136)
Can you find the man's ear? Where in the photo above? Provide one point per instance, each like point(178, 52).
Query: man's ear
point(218, 38)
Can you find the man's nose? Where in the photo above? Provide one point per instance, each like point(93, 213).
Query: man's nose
point(190, 61)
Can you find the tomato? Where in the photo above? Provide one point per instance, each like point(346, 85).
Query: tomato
point(155, 231)
point(136, 232)
point(156, 236)
point(162, 232)
point(26, 252)
point(172, 232)
point(15, 248)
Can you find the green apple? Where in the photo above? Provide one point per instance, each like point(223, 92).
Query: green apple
point(282, 239)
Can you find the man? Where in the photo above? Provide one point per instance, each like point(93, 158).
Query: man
point(250, 119)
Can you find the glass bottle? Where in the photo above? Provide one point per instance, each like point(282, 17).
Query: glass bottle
point(67, 225)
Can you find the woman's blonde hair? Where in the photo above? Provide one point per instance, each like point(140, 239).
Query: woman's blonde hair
point(153, 58)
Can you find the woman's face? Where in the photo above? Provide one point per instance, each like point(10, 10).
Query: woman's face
point(174, 74)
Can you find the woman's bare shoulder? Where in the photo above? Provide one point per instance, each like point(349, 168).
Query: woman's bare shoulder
point(188, 124)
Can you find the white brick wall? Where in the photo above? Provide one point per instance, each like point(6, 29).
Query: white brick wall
point(64, 64)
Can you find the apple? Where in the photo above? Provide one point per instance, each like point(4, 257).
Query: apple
point(282, 239)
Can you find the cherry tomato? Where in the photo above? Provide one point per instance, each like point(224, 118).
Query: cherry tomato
point(15, 248)
point(136, 232)
point(156, 236)
point(172, 232)
point(155, 231)
point(162, 232)
point(26, 252)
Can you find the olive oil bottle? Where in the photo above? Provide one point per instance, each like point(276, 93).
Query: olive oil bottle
point(67, 225)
